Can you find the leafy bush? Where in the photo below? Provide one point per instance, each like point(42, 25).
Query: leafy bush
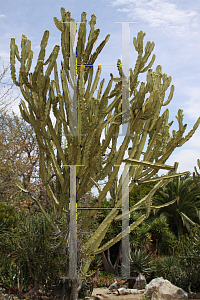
point(168, 243)
point(30, 254)
point(8, 221)
point(168, 268)
point(183, 269)
point(188, 253)
point(107, 274)
point(163, 240)
point(153, 235)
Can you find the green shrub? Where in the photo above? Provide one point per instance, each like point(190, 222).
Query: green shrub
point(107, 274)
point(188, 254)
point(163, 239)
point(168, 268)
point(8, 221)
point(181, 270)
point(168, 243)
point(30, 253)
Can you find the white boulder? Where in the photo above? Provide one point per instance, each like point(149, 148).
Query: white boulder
point(161, 289)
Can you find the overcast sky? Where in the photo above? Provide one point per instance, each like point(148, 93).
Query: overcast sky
point(174, 27)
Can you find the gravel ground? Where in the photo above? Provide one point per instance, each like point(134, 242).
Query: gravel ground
point(112, 296)
point(5, 295)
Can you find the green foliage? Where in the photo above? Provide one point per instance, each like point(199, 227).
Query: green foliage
point(183, 214)
point(170, 269)
point(139, 264)
point(163, 240)
point(182, 269)
point(140, 237)
point(108, 274)
point(166, 267)
point(8, 217)
point(30, 255)
point(153, 235)
point(8, 221)
point(196, 177)
point(168, 243)
point(96, 263)
point(188, 252)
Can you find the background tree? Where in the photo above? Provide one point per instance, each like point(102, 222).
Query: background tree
point(19, 161)
point(95, 116)
point(5, 102)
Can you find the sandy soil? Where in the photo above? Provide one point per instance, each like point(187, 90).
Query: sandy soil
point(112, 296)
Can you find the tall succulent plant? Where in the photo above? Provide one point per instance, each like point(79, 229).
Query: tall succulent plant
point(95, 115)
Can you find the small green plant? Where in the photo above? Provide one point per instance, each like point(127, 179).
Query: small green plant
point(96, 263)
point(144, 297)
point(107, 274)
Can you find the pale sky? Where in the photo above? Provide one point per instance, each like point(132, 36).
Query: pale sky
point(174, 26)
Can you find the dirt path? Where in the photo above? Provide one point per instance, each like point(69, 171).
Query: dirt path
point(116, 297)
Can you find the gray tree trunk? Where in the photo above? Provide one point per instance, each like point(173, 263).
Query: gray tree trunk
point(108, 266)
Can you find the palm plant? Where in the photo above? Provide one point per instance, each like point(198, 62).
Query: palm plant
point(184, 213)
point(139, 264)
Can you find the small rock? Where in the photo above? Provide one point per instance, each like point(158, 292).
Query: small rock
point(140, 282)
point(121, 291)
point(114, 286)
point(134, 291)
point(103, 295)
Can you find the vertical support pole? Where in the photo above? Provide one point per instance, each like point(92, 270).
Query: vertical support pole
point(73, 225)
point(125, 269)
